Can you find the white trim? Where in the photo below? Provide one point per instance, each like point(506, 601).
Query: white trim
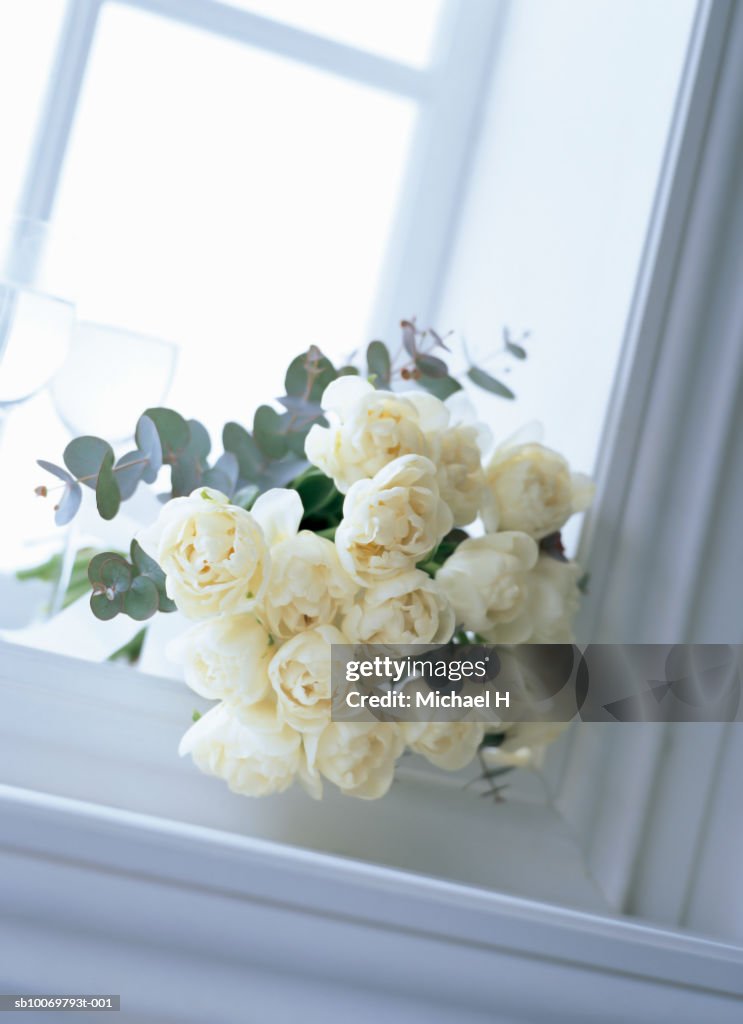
point(618, 538)
point(61, 716)
point(441, 156)
point(242, 26)
point(55, 123)
point(289, 928)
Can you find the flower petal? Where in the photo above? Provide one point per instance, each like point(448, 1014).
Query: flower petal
point(278, 512)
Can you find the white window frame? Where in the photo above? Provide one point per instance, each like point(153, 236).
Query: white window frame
point(615, 796)
point(448, 92)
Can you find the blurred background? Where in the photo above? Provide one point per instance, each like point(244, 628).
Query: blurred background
point(243, 179)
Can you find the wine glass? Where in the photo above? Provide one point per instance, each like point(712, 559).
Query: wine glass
point(111, 375)
point(35, 331)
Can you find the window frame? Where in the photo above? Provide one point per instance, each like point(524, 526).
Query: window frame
point(448, 92)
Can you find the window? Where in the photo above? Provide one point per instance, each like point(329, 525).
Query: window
point(244, 178)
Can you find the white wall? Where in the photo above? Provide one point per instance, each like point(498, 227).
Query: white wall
point(559, 199)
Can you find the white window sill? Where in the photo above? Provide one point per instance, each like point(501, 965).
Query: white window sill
point(113, 843)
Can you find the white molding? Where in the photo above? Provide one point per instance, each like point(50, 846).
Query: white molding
point(440, 164)
point(61, 716)
point(242, 26)
point(189, 923)
point(640, 587)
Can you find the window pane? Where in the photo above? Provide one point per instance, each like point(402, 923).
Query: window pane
point(403, 30)
point(232, 201)
point(28, 35)
point(553, 226)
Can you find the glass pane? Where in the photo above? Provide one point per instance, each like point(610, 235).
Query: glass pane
point(232, 201)
point(28, 36)
point(553, 226)
point(404, 31)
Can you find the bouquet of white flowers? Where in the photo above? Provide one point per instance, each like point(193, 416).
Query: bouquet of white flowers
point(339, 520)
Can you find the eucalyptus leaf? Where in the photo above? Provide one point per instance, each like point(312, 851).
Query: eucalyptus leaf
point(431, 366)
point(246, 496)
point(172, 429)
point(237, 440)
point(379, 364)
point(110, 570)
point(309, 374)
point(104, 607)
point(129, 470)
point(68, 505)
point(57, 471)
point(269, 433)
point(488, 383)
point(148, 440)
point(409, 337)
point(516, 350)
point(185, 474)
point(281, 472)
point(107, 494)
point(441, 387)
point(199, 443)
point(141, 599)
point(84, 457)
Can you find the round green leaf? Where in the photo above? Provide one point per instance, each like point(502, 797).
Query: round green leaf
point(57, 471)
point(378, 363)
point(268, 432)
point(105, 608)
point(107, 494)
point(84, 457)
point(111, 571)
point(199, 443)
point(172, 429)
point(141, 599)
point(69, 503)
point(237, 440)
point(148, 441)
point(128, 471)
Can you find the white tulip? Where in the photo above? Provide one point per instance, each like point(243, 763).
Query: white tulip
point(256, 755)
point(358, 757)
point(448, 745)
point(300, 676)
point(392, 521)
point(531, 489)
point(226, 658)
point(371, 428)
point(407, 609)
point(486, 582)
point(214, 554)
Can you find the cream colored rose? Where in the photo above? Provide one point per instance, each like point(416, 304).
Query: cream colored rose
point(226, 658)
point(525, 744)
point(358, 757)
point(256, 753)
point(300, 676)
point(486, 580)
point(308, 586)
point(371, 428)
point(392, 521)
point(407, 609)
point(460, 473)
point(553, 599)
point(533, 490)
point(214, 554)
point(448, 745)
